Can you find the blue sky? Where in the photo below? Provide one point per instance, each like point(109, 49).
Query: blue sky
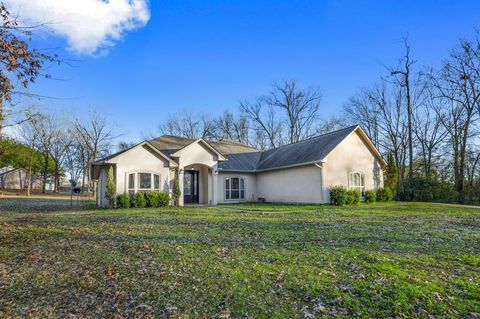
point(208, 55)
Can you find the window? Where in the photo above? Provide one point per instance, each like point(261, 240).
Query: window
point(235, 188)
point(131, 183)
point(356, 181)
point(144, 181)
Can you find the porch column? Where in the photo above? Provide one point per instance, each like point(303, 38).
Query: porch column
point(180, 184)
point(215, 185)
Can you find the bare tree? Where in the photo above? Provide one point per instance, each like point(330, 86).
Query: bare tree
point(232, 128)
point(94, 138)
point(61, 142)
point(380, 111)
point(429, 133)
point(300, 107)
point(189, 124)
point(29, 134)
point(266, 122)
point(413, 92)
point(457, 85)
point(123, 145)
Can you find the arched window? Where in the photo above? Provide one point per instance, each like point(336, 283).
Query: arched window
point(234, 188)
point(356, 181)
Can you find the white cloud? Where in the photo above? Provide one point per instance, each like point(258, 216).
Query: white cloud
point(89, 26)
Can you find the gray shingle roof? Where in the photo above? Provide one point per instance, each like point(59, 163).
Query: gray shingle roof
point(241, 157)
point(168, 144)
point(307, 151)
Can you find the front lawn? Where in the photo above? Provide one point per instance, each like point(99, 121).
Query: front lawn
point(391, 260)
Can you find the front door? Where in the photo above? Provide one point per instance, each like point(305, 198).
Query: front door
point(190, 187)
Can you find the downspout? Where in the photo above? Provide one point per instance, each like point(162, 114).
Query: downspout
point(322, 179)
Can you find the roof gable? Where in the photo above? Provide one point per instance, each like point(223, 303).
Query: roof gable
point(169, 144)
point(205, 145)
point(106, 160)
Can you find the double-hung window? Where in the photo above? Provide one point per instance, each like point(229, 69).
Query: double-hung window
point(356, 181)
point(235, 188)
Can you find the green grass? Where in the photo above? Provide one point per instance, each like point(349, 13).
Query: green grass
point(242, 261)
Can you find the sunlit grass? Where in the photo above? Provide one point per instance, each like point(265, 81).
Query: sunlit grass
point(390, 260)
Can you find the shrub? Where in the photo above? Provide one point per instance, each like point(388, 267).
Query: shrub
point(370, 196)
point(426, 189)
point(388, 194)
point(163, 199)
point(152, 199)
point(381, 196)
point(139, 200)
point(123, 200)
point(176, 192)
point(384, 194)
point(353, 197)
point(338, 195)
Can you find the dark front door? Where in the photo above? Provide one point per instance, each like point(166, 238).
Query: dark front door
point(190, 187)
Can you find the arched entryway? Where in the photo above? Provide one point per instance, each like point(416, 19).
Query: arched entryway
point(197, 181)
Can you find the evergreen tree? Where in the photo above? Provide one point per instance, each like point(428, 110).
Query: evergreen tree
point(392, 174)
point(110, 193)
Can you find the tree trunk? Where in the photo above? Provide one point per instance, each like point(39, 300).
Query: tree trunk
point(56, 178)
point(29, 179)
point(45, 173)
point(1, 118)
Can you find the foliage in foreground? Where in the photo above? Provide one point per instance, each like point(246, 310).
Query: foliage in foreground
point(143, 199)
point(339, 196)
point(404, 261)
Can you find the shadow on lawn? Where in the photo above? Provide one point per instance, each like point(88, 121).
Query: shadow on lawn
point(30, 205)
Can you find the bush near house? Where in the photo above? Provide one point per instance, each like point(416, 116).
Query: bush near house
point(157, 199)
point(152, 199)
point(352, 197)
point(123, 200)
point(370, 196)
point(139, 200)
point(143, 199)
point(163, 199)
point(384, 194)
point(338, 195)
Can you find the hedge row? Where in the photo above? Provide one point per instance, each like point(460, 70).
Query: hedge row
point(143, 199)
point(339, 196)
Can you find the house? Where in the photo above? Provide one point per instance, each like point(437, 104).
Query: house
point(16, 179)
point(212, 172)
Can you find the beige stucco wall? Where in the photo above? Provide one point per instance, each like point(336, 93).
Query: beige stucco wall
point(196, 153)
point(201, 158)
point(302, 184)
point(138, 159)
point(250, 187)
point(349, 156)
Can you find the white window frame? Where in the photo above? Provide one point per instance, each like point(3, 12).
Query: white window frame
point(136, 181)
point(361, 187)
point(239, 189)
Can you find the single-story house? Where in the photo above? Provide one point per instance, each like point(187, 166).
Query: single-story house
point(16, 179)
point(212, 172)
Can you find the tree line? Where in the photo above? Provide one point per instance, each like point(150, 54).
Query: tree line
point(423, 119)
